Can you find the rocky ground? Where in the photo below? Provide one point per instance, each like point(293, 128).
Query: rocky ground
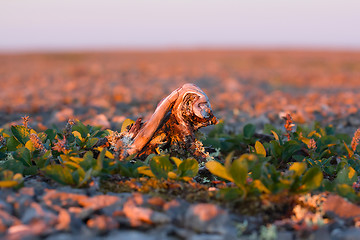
point(41, 210)
point(106, 88)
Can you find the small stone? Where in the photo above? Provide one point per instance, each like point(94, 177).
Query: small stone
point(63, 115)
point(37, 184)
point(348, 234)
point(181, 233)
point(138, 198)
point(336, 233)
point(206, 237)
point(102, 223)
point(260, 121)
point(118, 119)
point(3, 227)
point(318, 116)
point(100, 120)
point(75, 210)
point(176, 210)
point(20, 203)
point(99, 201)
point(207, 218)
point(5, 192)
point(347, 209)
point(7, 220)
point(62, 199)
point(135, 214)
point(159, 218)
point(68, 189)
point(111, 210)
point(36, 211)
point(156, 201)
point(286, 235)
point(64, 220)
point(85, 213)
point(99, 103)
point(5, 206)
point(322, 233)
point(354, 121)
point(62, 236)
point(352, 110)
point(131, 235)
point(20, 232)
point(27, 191)
point(40, 227)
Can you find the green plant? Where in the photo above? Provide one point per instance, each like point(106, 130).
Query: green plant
point(162, 168)
point(253, 174)
point(9, 179)
point(292, 161)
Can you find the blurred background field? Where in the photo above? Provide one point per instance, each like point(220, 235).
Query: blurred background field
point(104, 61)
point(243, 85)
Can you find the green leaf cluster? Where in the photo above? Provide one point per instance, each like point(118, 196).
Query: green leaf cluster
point(313, 159)
point(165, 167)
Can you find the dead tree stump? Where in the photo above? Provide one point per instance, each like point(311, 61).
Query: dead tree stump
point(172, 126)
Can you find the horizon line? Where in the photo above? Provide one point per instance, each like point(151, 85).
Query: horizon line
point(105, 49)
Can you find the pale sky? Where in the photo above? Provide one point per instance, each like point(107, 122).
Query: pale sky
point(31, 25)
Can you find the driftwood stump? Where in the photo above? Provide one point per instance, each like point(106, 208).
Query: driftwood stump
point(172, 126)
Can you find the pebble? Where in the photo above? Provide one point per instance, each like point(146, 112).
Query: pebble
point(322, 233)
point(349, 234)
point(67, 213)
point(354, 121)
point(61, 236)
point(208, 218)
point(286, 235)
point(206, 237)
point(7, 220)
point(131, 235)
point(102, 224)
point(62, 115)
point(176, 210)
point(159, 218)
point(36, 211)
point(5, 206)
point(260, 121)
point(20, 232)
point(347, 210)
point(100, 120)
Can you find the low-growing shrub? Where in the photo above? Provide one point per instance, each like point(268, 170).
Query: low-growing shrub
point(294, 161)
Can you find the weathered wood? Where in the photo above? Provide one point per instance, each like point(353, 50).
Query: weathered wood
point(172, 126)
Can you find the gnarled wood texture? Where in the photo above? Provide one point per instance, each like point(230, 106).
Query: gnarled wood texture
point(172, 126)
